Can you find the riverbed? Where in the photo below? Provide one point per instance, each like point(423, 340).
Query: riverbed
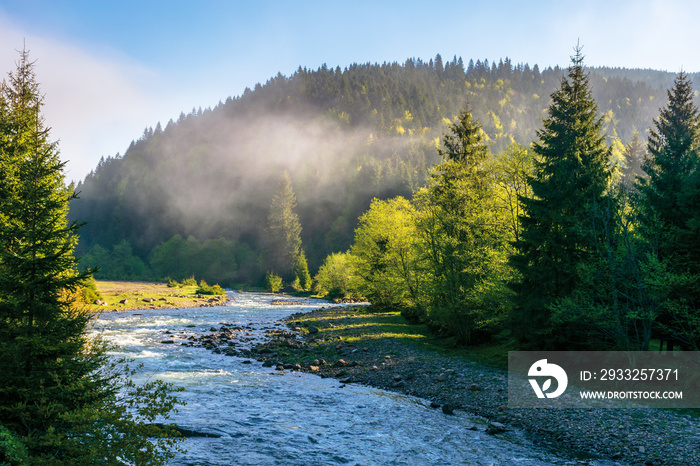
point(264, 416)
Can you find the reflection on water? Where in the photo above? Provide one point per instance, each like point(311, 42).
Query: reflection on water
point(266, 417)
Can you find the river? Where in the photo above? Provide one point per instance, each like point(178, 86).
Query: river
point(265, 417)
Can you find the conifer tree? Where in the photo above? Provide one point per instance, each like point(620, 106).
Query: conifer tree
point(571, 175)
point(670, 211)
point(302, 277)
point(58, 391)
point(284, 230)
point(674, 144)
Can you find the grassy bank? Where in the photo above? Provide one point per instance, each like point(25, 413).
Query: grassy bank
point(127, 296)
point(360, 327)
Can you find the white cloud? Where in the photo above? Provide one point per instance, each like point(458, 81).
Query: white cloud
point(95, 104)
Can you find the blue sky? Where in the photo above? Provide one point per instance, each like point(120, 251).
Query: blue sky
point(111, 68)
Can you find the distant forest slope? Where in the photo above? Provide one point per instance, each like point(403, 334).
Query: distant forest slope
point(192, 198)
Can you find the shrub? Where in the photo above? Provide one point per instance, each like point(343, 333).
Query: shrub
point(205, 288)
point(273, 282)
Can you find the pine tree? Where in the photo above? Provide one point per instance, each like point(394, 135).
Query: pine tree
point(58, 391)
point(571, 175)
point(284, 230)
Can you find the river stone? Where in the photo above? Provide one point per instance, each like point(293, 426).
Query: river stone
point(495, 428)
point(341, 363)
point(313, 368)
point(442, 377)
point(434, 404)
point(313, 329)
point(448, 409)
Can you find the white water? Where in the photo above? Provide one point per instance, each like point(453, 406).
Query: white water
point(268, 417)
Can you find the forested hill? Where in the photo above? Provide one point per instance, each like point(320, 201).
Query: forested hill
point(192, 198)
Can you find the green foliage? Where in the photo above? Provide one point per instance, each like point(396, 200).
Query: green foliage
point(12, 450)
point(464, 236)
point(59, 392)
point(614, 304)
point(207, 289)
point(189, 281)
point(345, 136)
point(89, 292)
point(336, 275)
point(571, 175)
point(118, 264)
point(670, 218)
point(283, 230)
point(181, 259)
point(302, 277)
point(385, 254)
point(273, 283)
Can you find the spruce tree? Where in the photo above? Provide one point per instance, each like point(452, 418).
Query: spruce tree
point(284, 230)
point(670, 211)
point(58, 391)
point(571, 175)
point(673, 146)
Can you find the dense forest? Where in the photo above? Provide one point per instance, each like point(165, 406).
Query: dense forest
point(193, 198)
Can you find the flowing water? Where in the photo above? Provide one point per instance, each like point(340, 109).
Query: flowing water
point(264, 416)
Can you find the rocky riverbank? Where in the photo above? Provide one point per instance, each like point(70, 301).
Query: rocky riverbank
point(378, 350)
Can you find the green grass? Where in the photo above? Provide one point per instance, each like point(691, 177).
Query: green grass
point(362, 326)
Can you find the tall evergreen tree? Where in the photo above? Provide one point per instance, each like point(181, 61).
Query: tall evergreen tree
point(634, 153)
point(674, 144)
point(283, 230)
point(571, 175)
point(670, 211)
point(56, 390)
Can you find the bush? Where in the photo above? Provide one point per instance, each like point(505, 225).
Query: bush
point(205, 288)
point(172, 283)
point(89, 292)
point(189, 282)
point(273, 283)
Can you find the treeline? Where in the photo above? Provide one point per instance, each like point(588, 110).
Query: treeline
point(345, 136)
point(555, 246)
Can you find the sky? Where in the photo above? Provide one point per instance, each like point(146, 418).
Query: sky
point(109, 69)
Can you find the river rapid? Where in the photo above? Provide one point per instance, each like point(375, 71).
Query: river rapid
point(264, 416)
